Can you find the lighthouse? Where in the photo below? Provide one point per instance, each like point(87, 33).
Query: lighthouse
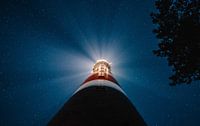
point(99, 101)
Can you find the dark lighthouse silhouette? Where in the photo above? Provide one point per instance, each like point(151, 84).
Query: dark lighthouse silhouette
point(99, 101)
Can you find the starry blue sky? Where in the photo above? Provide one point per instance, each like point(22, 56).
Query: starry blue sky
point(47, 49)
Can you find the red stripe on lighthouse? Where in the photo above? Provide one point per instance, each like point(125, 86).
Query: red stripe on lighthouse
point(97, 77)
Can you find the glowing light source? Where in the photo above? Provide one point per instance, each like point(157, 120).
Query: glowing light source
point(102, 67)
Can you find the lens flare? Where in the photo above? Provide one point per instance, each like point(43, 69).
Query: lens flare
point(78, 66)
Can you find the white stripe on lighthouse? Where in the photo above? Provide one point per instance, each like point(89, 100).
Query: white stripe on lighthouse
point(100, 82)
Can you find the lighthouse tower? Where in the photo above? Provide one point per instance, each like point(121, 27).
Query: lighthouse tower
point(99, 101)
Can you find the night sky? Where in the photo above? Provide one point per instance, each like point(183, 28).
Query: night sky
point(47, 49)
